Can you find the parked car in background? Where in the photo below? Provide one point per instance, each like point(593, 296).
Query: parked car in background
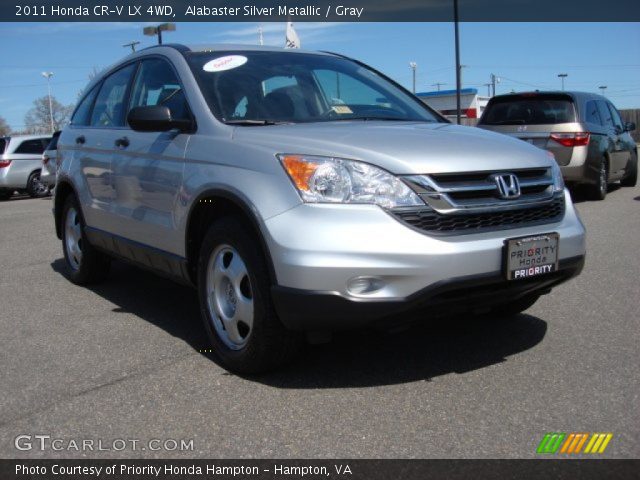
point(50, 162)
point(296, 206)
point(21, 165)
point(584, 131)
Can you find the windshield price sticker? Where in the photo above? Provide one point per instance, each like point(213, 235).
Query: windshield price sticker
point(225, 63)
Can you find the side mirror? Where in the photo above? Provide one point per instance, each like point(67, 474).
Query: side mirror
point(629, 126)
point(155, 118)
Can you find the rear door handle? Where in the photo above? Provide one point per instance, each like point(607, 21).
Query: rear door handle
point(122, 142)
point(80, 140)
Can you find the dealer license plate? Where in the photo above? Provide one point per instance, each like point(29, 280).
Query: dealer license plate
point(531, 256)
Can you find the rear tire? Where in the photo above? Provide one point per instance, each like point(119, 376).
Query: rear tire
point(515, 307)
point(35, 187)
point(631, 178)
point(235, 301)
point(598, 191)
point(85, 265)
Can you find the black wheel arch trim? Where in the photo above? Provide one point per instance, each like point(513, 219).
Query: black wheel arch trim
point(250, 213)
point(58, 203)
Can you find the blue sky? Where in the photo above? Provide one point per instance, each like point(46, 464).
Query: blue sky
point(524, 55)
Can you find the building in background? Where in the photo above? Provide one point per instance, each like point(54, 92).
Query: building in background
point(471, 103)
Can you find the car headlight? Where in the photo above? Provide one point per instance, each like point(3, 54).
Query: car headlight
point(336, 180)
point(558, 181)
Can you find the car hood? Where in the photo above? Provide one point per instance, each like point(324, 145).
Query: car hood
point(400, 147)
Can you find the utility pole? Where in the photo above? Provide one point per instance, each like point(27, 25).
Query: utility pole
point(562, 77)
point(48, 76)
point(413, 66)
point(602, 88)
point(438, 85)
point(132, 45)
point(158, 29)
point(488, 85)
point(458, 72)
point(260, 37)
point(494, 80)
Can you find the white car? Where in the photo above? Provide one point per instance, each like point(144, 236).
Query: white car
point(21, 164)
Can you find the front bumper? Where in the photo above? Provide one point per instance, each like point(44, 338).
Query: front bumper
point(317, 249)
point(306, 310)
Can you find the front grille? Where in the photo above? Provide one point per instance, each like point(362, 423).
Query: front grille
point(468, 191)
point(431, 221)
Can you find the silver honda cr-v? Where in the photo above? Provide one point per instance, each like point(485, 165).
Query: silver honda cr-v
point(304, 192)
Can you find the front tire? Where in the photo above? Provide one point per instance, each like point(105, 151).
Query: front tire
point(598, 191)
point(631, 178)
point(235, 301)
point(35, 187)
point(85, 265)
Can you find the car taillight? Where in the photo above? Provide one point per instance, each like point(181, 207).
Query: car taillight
point(472, 113)
point(579, 139)
point(5, 163)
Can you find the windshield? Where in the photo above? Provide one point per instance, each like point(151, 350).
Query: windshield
point(258, 88)
point(529, 109)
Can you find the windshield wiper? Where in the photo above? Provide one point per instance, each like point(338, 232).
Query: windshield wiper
point(253, 122)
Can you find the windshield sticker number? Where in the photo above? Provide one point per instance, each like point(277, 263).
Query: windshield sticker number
point(224, 63)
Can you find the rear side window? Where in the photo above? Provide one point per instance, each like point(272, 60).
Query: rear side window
point(109, 109)
point(35, 146)
point(3, 144)
point(592, 114)
point(82, 115)
point(529, 110)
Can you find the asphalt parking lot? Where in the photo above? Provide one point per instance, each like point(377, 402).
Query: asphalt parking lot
point(122, 361)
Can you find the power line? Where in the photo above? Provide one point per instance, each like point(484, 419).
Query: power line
point(40, 84)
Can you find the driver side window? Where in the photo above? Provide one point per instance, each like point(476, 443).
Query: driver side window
point(617, 120)
point(157, 84)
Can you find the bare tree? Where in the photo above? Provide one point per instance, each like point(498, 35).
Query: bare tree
point(37, 120)
point(4, 127)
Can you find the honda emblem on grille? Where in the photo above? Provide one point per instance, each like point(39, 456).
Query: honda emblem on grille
point(508, 185)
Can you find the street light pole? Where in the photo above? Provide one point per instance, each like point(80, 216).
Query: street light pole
point(562, 77)
point(158, 29)
point(48, 76)
point(458, 80)
point(602, 88)
point(413, 66)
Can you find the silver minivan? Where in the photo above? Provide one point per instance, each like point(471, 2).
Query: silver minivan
point(301, 193)
point(584, 131)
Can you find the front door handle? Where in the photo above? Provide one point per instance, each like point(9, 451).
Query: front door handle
point(122, 142)
point(80, 140)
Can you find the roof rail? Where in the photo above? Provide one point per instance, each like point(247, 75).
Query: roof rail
point(177, 46)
